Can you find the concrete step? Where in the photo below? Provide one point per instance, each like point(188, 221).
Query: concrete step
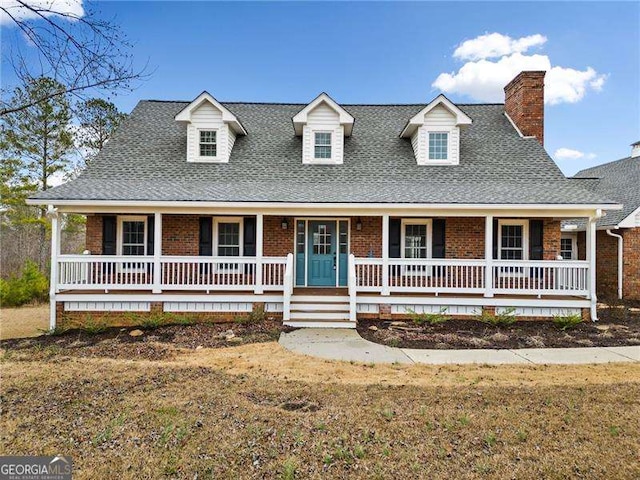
point(320, 307)
point(319, 324)
point(319, 299)
point(319, 315)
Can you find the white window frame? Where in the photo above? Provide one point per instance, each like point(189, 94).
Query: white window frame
point(216, 222)
point(120, 231)
point(205, 158)
point(574, 245)
point(429, 246)
point(331, 145)
point(439, 160)
point(525, 236)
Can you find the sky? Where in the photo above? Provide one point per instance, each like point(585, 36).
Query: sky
point(402, 52)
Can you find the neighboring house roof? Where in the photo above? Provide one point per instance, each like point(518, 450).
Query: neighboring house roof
point(619, 181)
point(146, 160)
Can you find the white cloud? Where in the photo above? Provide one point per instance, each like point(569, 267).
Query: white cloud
point(72, 9)
point(492, 45)
point(571, 154)
point(484, 80)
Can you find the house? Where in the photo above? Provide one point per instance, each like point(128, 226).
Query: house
point(326, 213)
point(618, 233)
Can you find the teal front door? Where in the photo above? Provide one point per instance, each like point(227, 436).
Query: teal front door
point(321, 263)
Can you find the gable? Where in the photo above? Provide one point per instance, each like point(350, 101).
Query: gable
point(323, 114)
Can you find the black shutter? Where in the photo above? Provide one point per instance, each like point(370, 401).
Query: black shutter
point(536, 248)
point(151, 220)
point(205, 246)
point(495, 238)
point(395, 225)
point(438, 249)
point(109, 235)
point(249, 241)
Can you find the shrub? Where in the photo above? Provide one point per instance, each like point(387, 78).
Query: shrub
point(504, 319)
point(567, 321)
point(31, 286)
point(92, 326)
point(430, 318)
point(153, 321)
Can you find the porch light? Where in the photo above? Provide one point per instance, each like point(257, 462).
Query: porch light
point(358, 224)
point(285, 223)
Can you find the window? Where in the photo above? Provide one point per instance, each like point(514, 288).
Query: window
point(438, 146)
point(513, 240)
point(132, 236)
point(208, 145)
point(568, 247)
point(228, 236)
point(322, 145)
point(322, 240)
point(415, 241)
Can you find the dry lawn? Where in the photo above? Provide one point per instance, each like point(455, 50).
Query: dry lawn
point(256, 411)
point(23, 322)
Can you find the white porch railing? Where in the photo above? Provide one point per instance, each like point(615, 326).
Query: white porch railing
point(107, 272)
point(468, 276)
point(541, 277)
point(95, 272)
point(288, 288)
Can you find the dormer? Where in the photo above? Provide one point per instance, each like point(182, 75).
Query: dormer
point(211, 130)
point(323, 124)
point(435, 132)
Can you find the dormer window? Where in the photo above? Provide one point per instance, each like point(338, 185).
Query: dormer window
point(208, 143)
point(438, 145)
point(435, 132)
point(211, 130)
point(322, 145)
point(323, 125)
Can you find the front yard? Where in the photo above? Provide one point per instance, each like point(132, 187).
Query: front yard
point(257, 411)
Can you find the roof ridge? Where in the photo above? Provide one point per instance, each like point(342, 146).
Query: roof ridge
point(341, 104)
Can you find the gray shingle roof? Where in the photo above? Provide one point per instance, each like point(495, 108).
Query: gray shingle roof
point(146, 160)
point(619, 181)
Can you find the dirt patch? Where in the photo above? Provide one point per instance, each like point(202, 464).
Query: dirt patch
point(29, 321)
point(618, 326)
point(150, 344)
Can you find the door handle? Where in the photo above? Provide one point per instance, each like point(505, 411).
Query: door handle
point(334, 261)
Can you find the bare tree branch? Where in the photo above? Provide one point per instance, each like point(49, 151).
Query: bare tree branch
point(82, 52)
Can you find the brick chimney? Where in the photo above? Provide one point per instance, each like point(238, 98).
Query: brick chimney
point(524, 103)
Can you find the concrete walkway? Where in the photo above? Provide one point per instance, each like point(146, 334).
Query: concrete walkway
point(346, 344)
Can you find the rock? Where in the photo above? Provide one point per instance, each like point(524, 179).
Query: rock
point(199, 347)
point(136, 333)
point(229, 336)
point(234, 339)
point(398, 324)
point(634, 310)
point(373, 328)
point(603, 328)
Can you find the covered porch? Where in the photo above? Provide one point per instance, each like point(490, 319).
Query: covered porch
point(377, 259)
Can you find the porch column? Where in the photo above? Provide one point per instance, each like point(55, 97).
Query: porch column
point(488, 256)
point(591, 256)
point(385, 254)
point(157, 253)
point(52, 213)
point(259, 288)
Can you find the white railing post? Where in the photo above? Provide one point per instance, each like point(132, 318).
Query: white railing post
point(157, 253)
point(591, 256)
point(259, 287)
point(488, 256)
point(385, 254)
point(352, 287)
point(55, 253)
point(288, 289)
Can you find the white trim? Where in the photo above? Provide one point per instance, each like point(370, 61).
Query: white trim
point(416, 221)
point(525, 236)
point(345, 119)
point(281, 208)
point(472, 300)
point(119, 232)
point(222, 219)
point(419, 119)
point(573, 236)
point(629, 221)
point(204, 158)
point(227, 117)
point(332, 160)
point(445, 161)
